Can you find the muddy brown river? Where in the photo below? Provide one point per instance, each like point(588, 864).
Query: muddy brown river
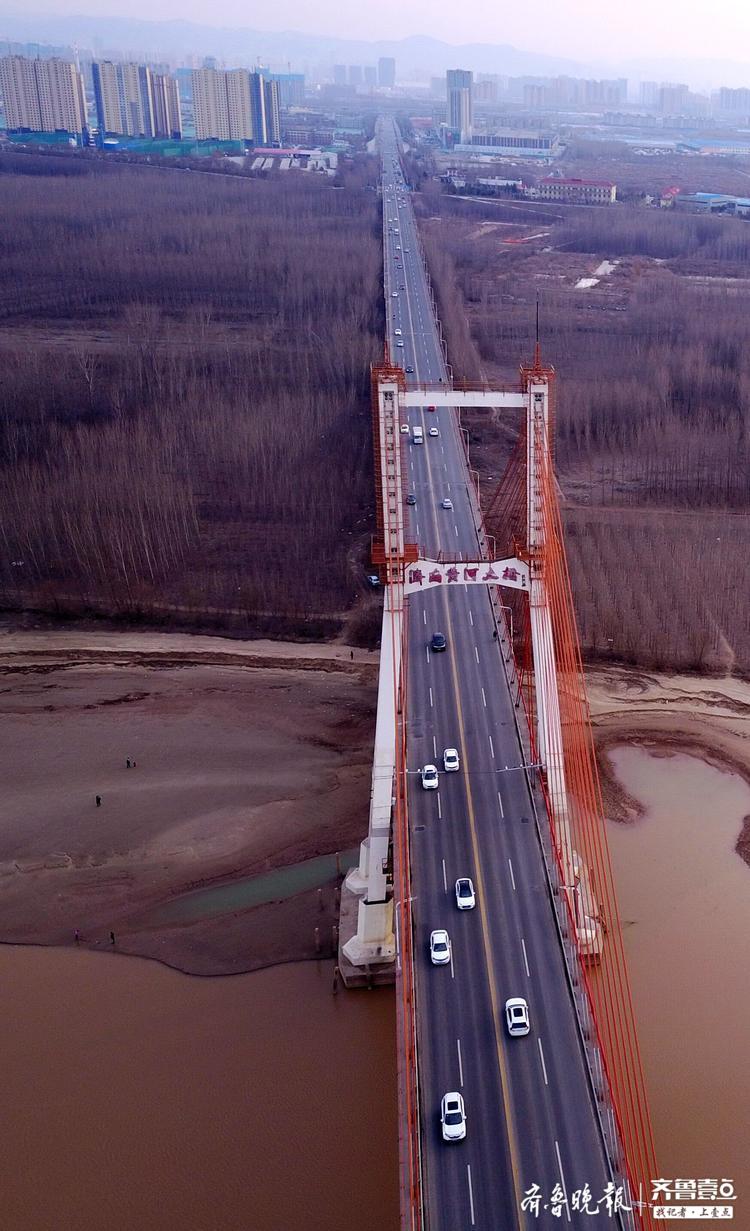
point(685, 905)
point(135, 1098)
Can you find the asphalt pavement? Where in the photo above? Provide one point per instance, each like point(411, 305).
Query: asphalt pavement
point(531, 1117)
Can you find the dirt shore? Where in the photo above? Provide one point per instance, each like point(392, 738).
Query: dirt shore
point(248, 756)
point(705, 717)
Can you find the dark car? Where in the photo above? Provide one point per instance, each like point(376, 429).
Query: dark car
point(410, 369)
point(438, 642)
point(411, 498)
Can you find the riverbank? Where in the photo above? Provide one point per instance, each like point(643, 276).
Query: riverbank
point(244, 757)
point(702, 716)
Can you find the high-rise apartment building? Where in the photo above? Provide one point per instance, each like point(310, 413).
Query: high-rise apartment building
point(673, 97)
point(210, 104)
point(387, 72)
point(355, 74)
point(239, 104)
point(734, 101)
point(371, 75)
point(339, 74)
point(459, 87)
point(648, 93)
point(236, 105)
point(291, 88)
point(266, 112)
point(133, 101)
point(136, 108)
point(42, 95)
point(106, 97)
point(167, 111)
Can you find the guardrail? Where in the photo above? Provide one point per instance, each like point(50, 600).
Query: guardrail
point(575, 973)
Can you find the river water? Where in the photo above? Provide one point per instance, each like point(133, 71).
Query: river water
point(684, 899)
point(135, 1098)
point(138, 1099)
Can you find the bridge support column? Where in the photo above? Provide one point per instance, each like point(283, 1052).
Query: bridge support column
point(374, 940)
point(576, 881)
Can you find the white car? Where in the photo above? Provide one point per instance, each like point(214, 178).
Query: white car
point(517, 1015)
point(446, 503)
point(397, 333)
point(453, 1116)
point(404, 427)
point(450, 761)
point(430, 778)
point(399, 343)
point(394, 294)
point(432, 431)
point(440, 947)
point(465, 896)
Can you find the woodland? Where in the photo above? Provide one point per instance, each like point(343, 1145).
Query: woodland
point(652, 406)
point(184, 411)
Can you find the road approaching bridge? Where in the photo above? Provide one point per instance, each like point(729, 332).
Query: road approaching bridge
point(543, 1132)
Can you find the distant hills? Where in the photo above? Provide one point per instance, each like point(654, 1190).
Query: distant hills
point(419, 54)
point(417, 57)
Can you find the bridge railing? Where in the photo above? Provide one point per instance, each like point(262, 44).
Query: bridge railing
point(574, 966)
point(575, 971)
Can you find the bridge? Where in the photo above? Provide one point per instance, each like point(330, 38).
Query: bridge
point(557, 1123)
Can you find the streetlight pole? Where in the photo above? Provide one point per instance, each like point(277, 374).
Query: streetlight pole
point(510, 613)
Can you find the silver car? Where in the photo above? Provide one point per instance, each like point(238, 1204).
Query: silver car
point(453, 1116)
point(430, 778)
point(440, 947)
point(517, 1015)
point(465, 896)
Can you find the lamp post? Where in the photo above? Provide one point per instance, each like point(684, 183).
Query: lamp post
point(503, 607)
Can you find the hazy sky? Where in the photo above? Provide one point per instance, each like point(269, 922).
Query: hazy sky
point(580, 29)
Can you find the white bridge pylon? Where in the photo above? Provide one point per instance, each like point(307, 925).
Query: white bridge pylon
point(405, 573)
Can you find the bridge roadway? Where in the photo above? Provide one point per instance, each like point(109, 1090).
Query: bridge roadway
point(530, 1112)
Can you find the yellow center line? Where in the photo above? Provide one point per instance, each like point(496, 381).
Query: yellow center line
point(483, 897)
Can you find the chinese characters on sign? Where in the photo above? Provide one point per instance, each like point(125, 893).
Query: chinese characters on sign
point(424, 574)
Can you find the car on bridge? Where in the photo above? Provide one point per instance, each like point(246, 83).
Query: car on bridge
point(399, 342)
point(432, 431)
point(432, 407)
point(438, 643)
point(446, 503)
point(440, 947)
point(410, 369)
point(430, 777)
point(411, 498)
point(397, 333)
point(453, 1116)
point(450, 761)
point(404, 427)
point(517, 1016)
point(465, 897)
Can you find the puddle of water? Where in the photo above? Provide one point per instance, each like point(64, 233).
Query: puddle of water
point(272, 886)
point(684, 898)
